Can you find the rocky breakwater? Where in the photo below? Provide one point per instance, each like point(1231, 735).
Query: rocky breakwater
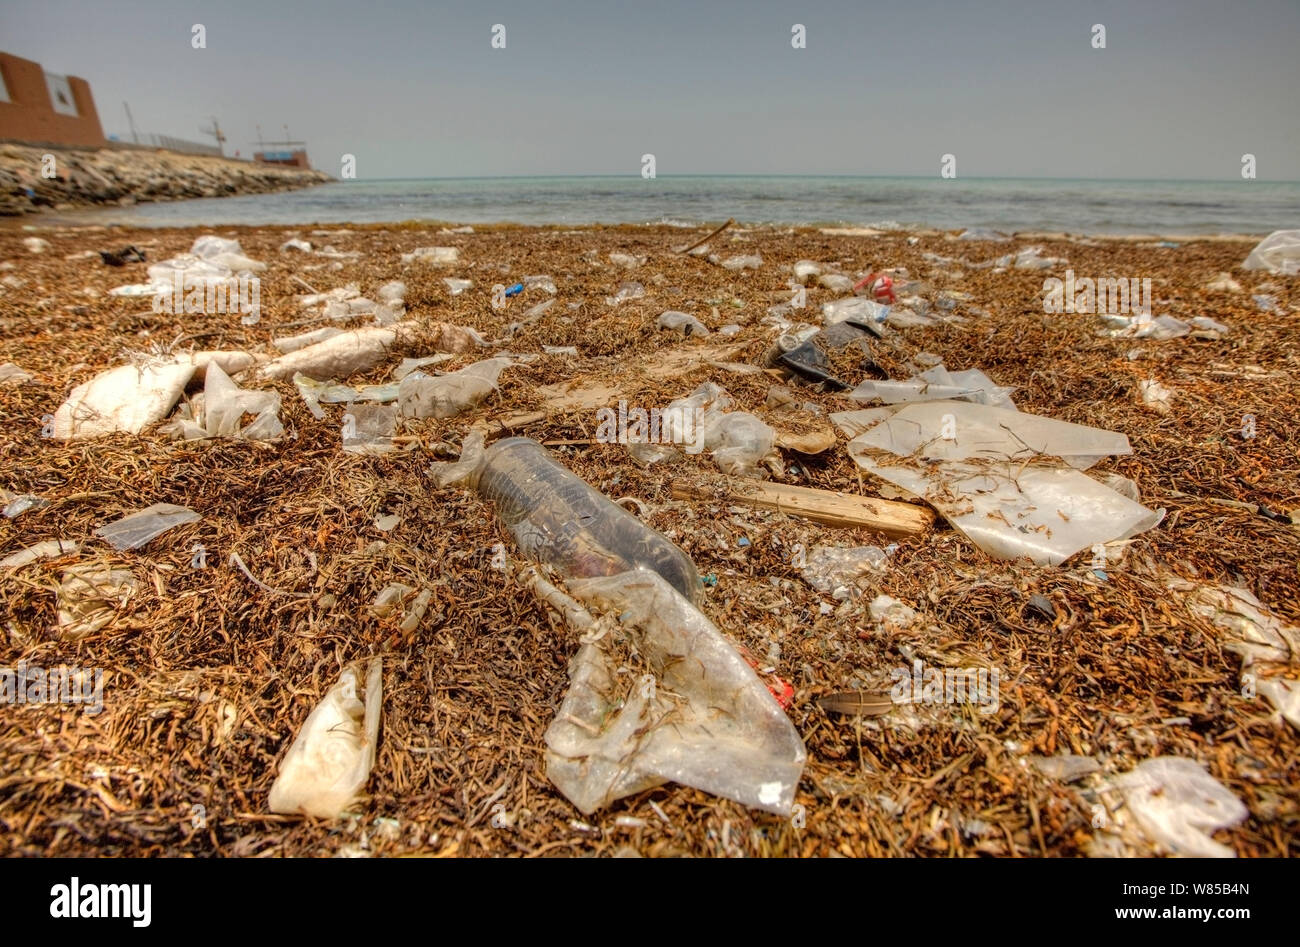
point(33, 179)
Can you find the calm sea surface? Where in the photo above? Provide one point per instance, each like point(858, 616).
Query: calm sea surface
point(1079, 206)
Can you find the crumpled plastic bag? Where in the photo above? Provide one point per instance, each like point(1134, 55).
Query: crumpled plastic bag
point(330, 760)
point(702, 718)
point(1177, 804)
point(682, 322)
point(442, 396)
point(1279, 253)
point(221, 411)
point(90, 595)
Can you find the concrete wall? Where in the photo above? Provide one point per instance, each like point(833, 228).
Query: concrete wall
point(29, 115)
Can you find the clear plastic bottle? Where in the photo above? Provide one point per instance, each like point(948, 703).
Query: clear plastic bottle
point(558, 518)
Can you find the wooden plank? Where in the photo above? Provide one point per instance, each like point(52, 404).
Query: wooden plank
point(822, 506)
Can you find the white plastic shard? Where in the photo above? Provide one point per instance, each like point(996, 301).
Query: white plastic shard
point(47, 549)
point(960, 430)
point(330, 760)
point(704, 720)
point(1177, 804)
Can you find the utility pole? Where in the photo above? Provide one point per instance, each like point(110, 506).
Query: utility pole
point(131, 122)
point(215, 132)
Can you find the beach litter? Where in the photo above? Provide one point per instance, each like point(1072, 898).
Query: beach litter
point(90, 595)
point(369, 429)
point(442, 396)
point(329, 762)
point(698, 715)
point(1176, 804)
point(434, 256)
point(1278, 253)
point(11, 376)
point(46, 549)
point(838, 571)
point(221, 410)
point(143, 526)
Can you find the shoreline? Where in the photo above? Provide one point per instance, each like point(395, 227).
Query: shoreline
point(50, 221)
point(101, 179)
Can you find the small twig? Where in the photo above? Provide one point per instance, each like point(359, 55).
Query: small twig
point(701, 242)
point(299, 279)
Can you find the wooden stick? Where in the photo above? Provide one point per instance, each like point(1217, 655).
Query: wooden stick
point(891, 517)
point(730, 221)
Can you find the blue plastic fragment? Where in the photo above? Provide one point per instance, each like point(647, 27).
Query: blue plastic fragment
point(744, 540)
point(515, 290)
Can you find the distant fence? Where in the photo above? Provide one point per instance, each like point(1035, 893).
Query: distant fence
point(171, 144)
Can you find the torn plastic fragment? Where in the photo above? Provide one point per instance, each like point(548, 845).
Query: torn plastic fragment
point(442, 396)
point(436, 256)
point(47, 549)
point(90, 595)
point(369, 429)
point(330, 760)
point(1177, 804)
point(702, 718)
point(137, 529)
point(682, 322)
point(838, 572)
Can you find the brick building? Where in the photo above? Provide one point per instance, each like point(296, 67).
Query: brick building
point(40, 107)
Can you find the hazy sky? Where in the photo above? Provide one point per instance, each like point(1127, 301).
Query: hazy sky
point(414, 88)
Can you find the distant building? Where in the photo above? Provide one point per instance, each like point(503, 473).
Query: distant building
point(291, 158)
point(40, 107)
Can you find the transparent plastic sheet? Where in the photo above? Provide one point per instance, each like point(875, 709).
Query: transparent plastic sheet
point(136, 529)
point(369, 428)
point(739, 441)
point(557, 518)
point(1278, 253)
point(856, 308)
point(316, 393)
point(937, 384)
point(837, 571)
point(1177, 804)
point(1010, 510)
point(442, 396)
point(225, 404)
point(1255, 633)
point(706, 721)
point(961, 430)
point(330, 760)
